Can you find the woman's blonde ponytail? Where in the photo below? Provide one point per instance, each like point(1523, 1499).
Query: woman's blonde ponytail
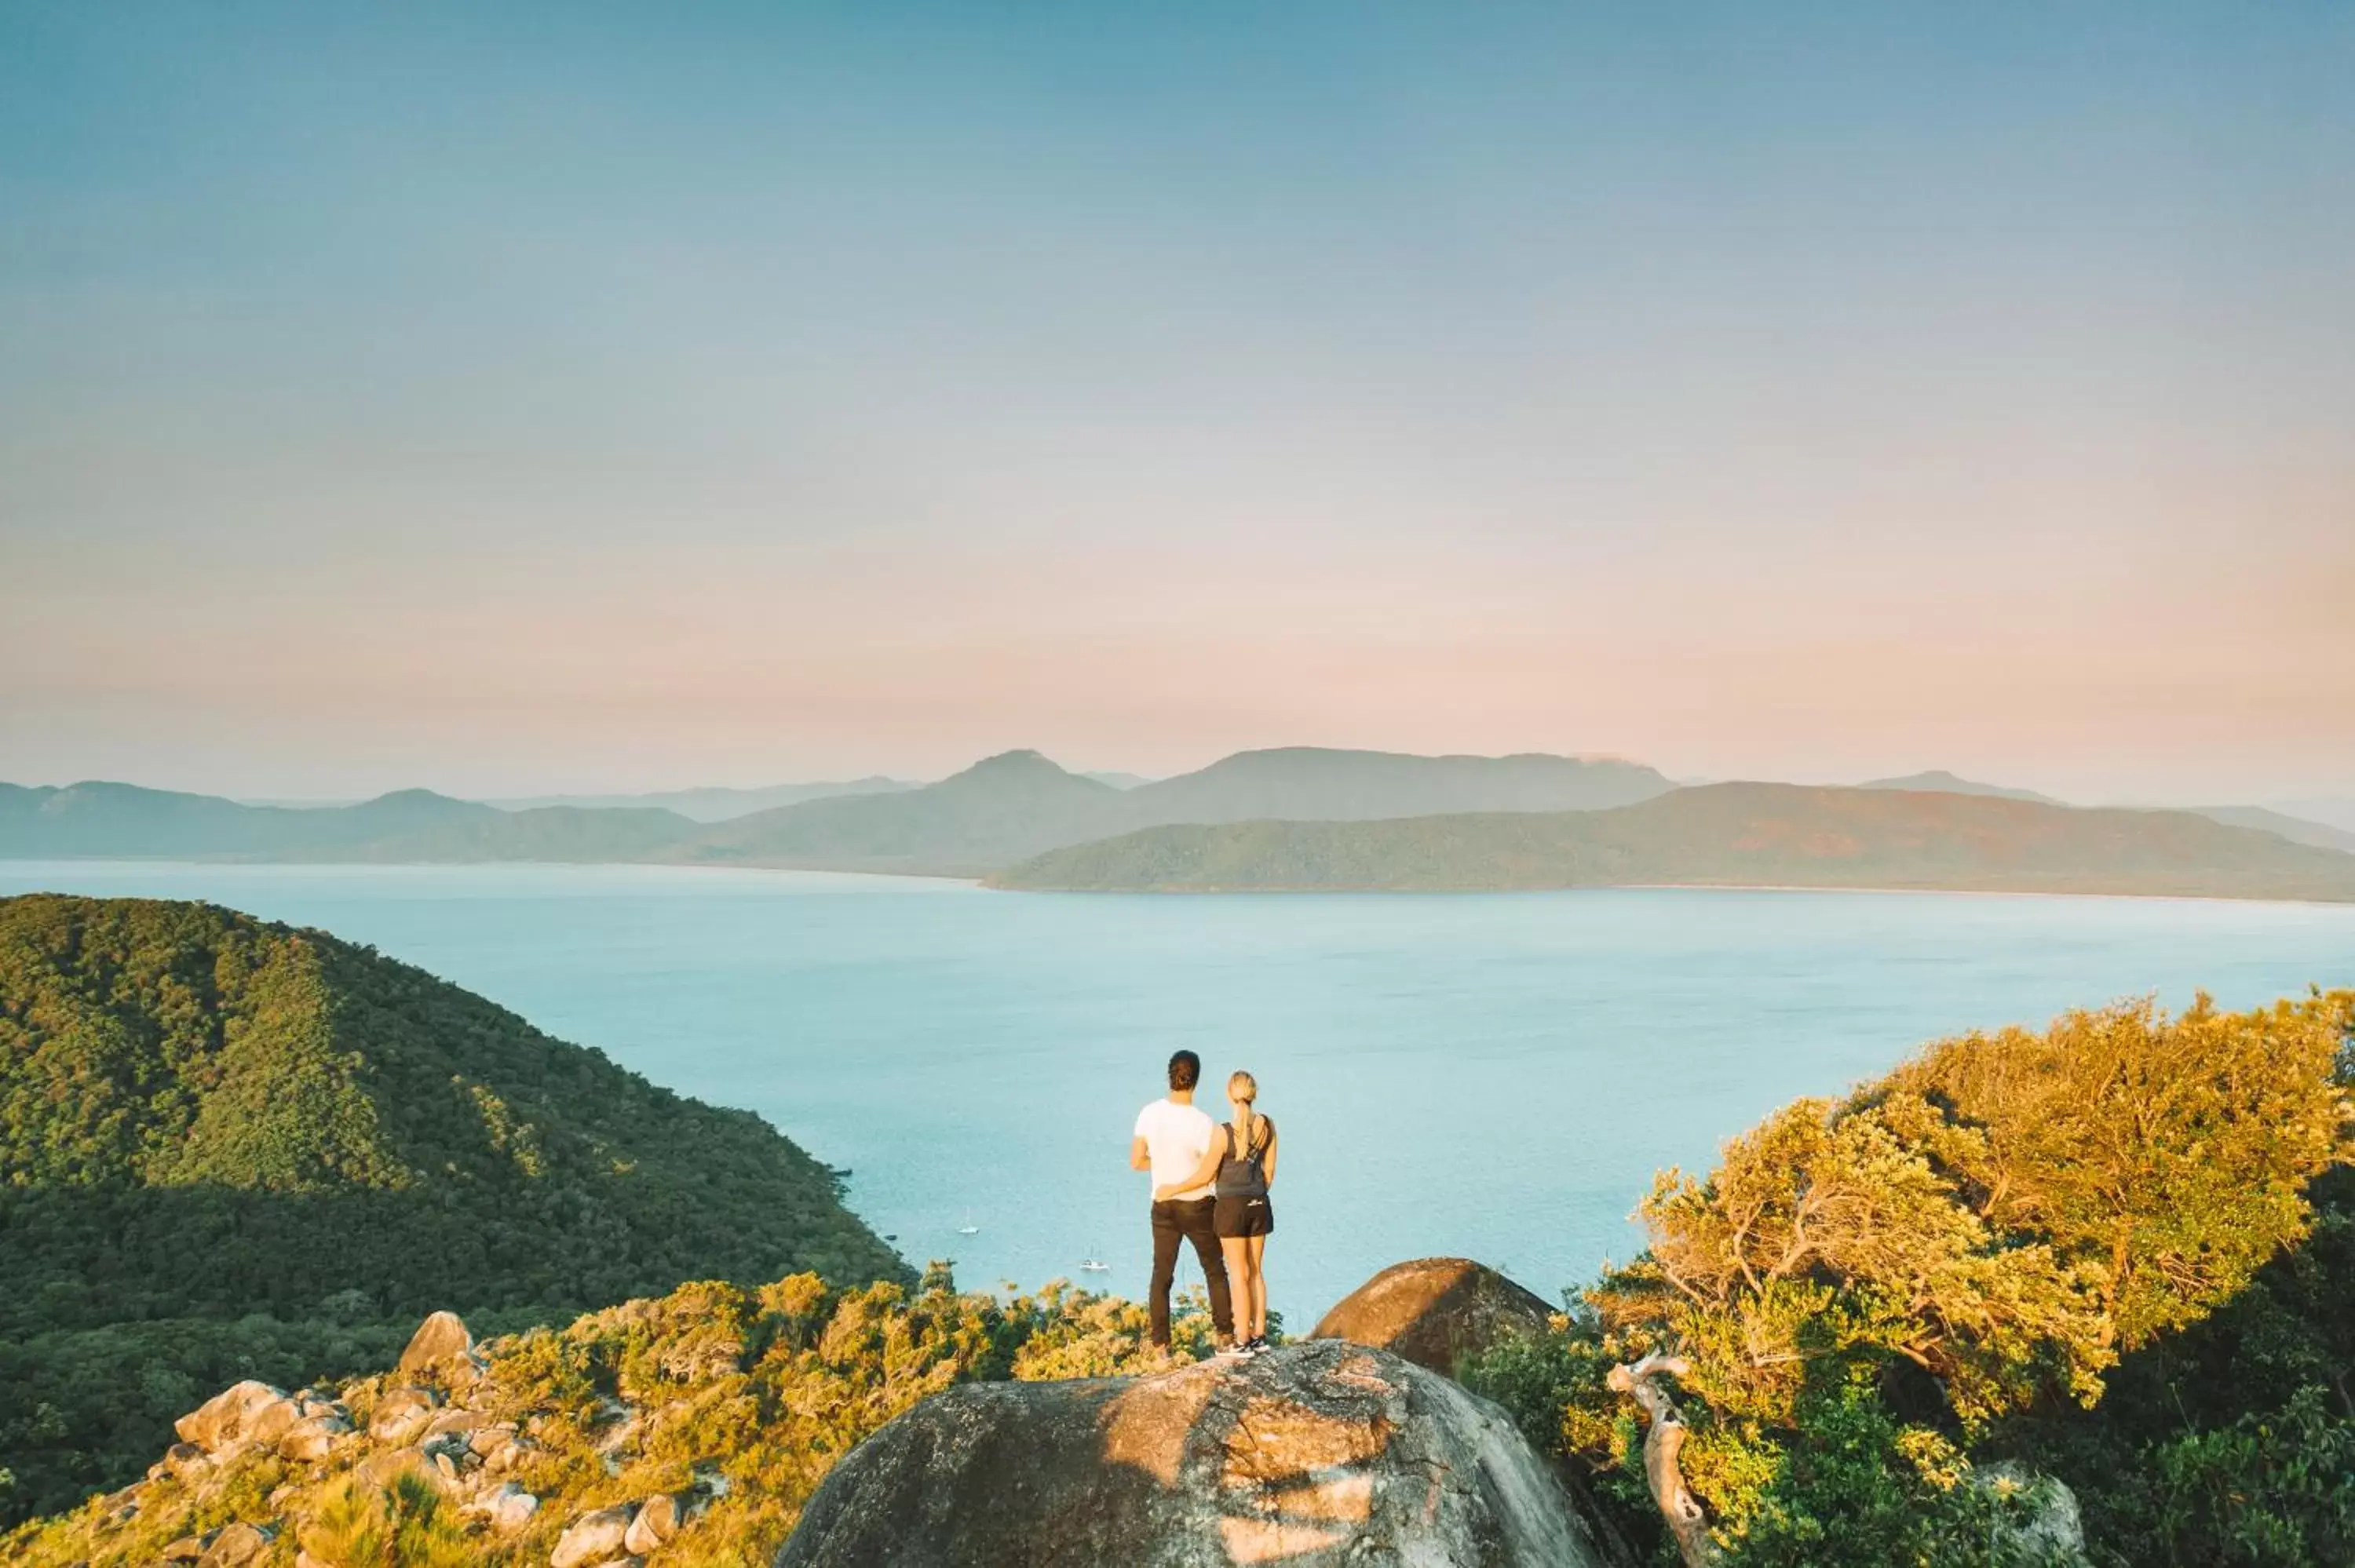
point(1249, 1117)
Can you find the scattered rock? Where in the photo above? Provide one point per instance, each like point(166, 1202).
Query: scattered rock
point(235, 1545)
point(221, 1419)
point(2043, 1525)
point(507, 1507)
point(402, 1413)
point(591, 1539)
point(657, 1520)
point(383, 1468)
point(460, 1421)
point(508, 1453)
point(488, 1442)
point(187, 1549)
point(1436, 1311)
point(1313, 1455)
point(311, 1440)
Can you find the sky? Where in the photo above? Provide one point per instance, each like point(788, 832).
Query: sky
point(610, 397)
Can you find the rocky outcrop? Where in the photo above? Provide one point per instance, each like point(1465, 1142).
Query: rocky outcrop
point(235, 1545)
point(227, 1417)
point(592, 1538)
point(402, 1413)
point(1314, 1456)
point(657, 1520)
point(1437, 1312)
point(507, 1507)
point(302, 1427)
point(441, 1345)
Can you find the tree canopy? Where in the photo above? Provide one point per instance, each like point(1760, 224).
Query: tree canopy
point(229, 1146)
point(1978, 1236)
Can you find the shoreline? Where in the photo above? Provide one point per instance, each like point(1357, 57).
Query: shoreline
point(982, 882)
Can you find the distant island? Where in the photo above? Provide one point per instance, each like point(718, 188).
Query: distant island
point(1748, 835)
point(1292, 816)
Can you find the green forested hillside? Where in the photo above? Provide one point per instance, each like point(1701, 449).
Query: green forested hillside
point(1729, 834)
point(222, 1138)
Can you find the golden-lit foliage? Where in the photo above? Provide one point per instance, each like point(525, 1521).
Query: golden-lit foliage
point(2007, 1212)
point(2168, 1152)
point(741, 1399)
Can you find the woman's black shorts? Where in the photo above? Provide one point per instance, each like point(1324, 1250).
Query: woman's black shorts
point(1242, 1217)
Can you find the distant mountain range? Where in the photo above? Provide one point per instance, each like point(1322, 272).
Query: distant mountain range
point(1938, 781)
point(2297, 829)
point(125, 821)
point(1019, 803)
point(1288, 816)
point(1720, 834)
point(997, 812)
point(715, 805)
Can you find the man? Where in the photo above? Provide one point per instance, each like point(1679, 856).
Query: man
point(1172, 1136)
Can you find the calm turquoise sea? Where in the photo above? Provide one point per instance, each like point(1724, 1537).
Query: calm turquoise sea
point(1496, 1076)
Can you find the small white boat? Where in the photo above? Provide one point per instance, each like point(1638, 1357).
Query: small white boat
point(968, 1228)
point(1094, 1266)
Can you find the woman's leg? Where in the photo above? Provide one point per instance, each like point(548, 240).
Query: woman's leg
point(1239, 1282)
point(1257, 1246)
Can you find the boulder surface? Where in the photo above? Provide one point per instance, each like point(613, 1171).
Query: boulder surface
point(1312, 1456)
point(440, 1339)
point(1436, 1311)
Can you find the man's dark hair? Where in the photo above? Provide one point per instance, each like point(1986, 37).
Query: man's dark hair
point(1185, 1070)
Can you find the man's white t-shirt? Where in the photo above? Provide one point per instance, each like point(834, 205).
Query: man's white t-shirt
point(1177, 1136)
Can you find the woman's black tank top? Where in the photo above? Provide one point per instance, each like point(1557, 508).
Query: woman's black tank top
point(1246, 1177)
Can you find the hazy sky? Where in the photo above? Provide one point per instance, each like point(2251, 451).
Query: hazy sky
point(515, 397)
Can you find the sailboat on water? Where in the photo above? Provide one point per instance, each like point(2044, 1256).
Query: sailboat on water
point(968, 1228)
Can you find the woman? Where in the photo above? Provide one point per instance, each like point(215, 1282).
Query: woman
point(1241, 1162)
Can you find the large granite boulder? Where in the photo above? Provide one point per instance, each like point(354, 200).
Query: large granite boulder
point(231, 1415)
point(1436, 1311)
point(1313, 1456)
point(440, 1343)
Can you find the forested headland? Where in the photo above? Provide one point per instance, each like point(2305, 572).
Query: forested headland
point(231, 1148)
point(1740, 835)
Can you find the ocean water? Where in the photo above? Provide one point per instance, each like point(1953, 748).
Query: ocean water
point(1491, 1075)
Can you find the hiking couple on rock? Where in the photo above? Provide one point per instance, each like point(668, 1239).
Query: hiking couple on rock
point(1209, 1187)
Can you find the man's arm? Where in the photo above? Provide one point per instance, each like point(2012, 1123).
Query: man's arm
point(1140, 1158)
point(1205, 1170)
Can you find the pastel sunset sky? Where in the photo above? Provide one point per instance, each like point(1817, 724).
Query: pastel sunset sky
point(519, 398)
